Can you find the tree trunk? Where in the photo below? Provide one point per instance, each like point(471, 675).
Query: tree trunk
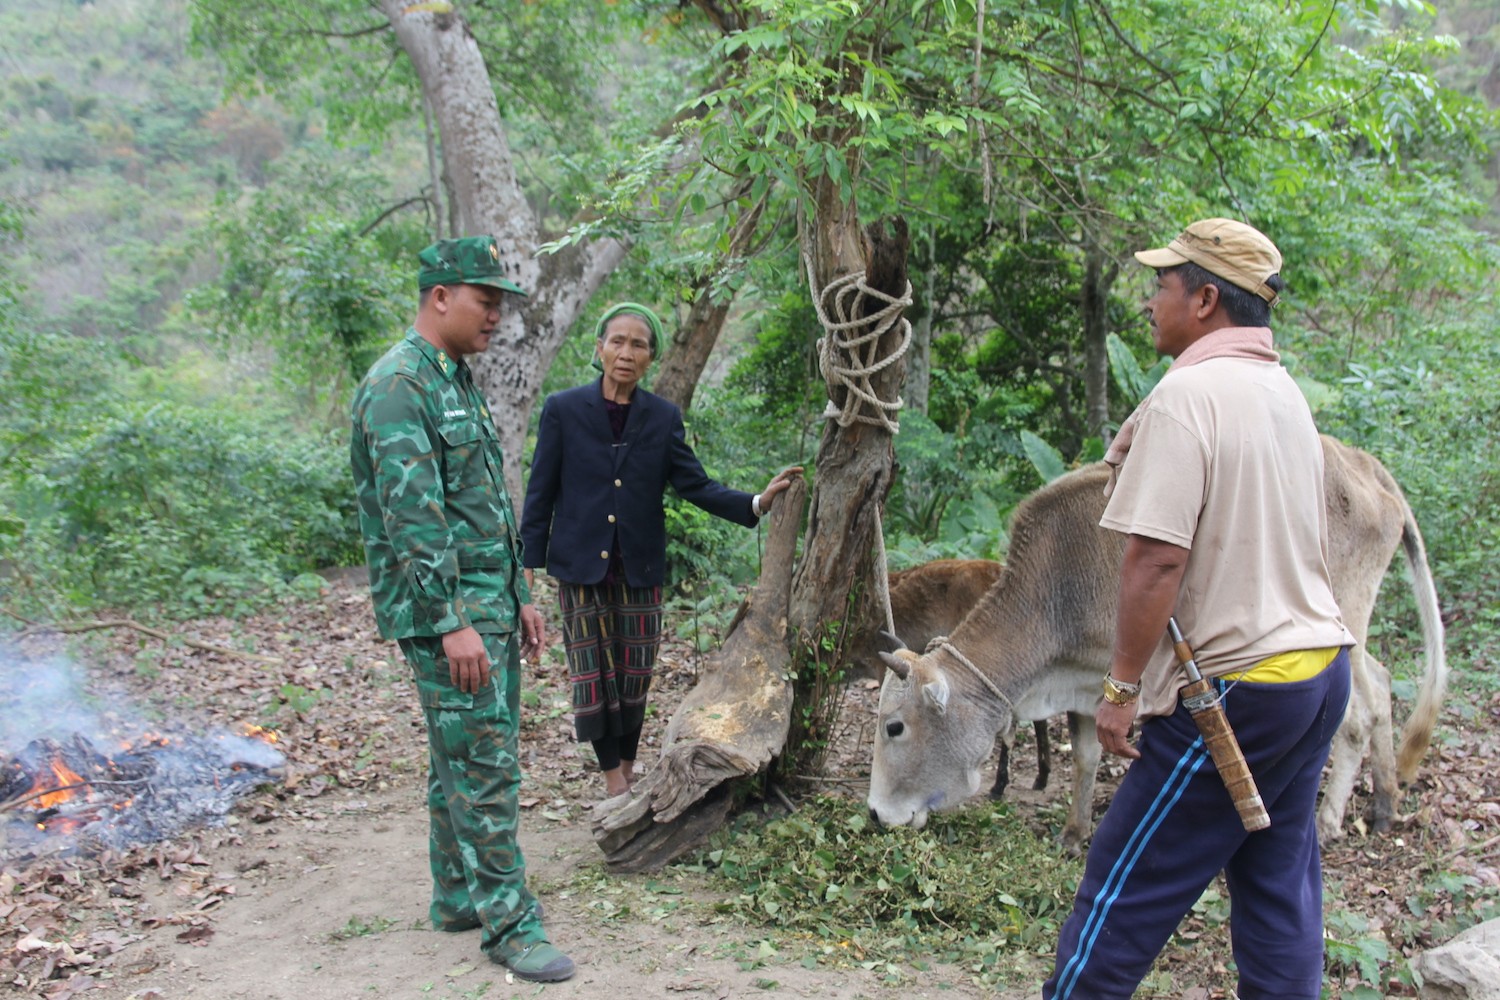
point(677, 378)
point(434, 175)
point(855, 463)
point(1099, 274)
point(488, 196)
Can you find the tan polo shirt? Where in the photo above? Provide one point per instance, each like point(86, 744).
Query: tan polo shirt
point(1226, 462)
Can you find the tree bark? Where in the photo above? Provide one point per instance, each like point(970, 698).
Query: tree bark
point(489, 199)
point(1099, 274)
point(856, 463)
point(677, 378)
point(434, 174)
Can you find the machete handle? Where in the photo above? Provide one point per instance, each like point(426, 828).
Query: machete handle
point(1202, 703)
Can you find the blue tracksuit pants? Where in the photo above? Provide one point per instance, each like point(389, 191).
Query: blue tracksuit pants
point(1172, 828)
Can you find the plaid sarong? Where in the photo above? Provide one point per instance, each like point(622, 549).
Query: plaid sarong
point(611, 632)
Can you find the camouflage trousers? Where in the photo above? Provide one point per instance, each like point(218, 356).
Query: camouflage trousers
point(473, 781)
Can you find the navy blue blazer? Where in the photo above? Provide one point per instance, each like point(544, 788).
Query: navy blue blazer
point(584, 487)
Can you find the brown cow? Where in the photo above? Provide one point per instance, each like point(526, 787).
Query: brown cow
point(1044, 632)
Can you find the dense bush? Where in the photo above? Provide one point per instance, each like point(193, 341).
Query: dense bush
point(159, 504)
point(177, 504)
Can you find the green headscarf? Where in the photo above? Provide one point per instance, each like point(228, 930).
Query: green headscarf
point(633, 309)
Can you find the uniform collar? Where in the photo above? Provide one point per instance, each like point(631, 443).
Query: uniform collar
point(436, 355)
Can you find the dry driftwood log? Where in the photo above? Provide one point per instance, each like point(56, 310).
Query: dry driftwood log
point(729, 726)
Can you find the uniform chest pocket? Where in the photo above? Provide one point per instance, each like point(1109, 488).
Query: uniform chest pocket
point(464, 462)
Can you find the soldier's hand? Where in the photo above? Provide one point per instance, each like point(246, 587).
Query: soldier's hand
point(468, 663)
point(533, 632)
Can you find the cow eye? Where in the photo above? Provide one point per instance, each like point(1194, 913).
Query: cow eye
point(895, 728)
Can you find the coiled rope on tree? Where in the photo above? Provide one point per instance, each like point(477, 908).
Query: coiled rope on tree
point(848, 351)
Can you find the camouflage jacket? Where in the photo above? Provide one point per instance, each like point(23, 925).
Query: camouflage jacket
point(439, 531)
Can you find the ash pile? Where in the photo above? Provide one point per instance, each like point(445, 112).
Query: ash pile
point(72, 778)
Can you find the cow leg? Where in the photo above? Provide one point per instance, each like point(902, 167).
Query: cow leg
point(1382, 747)
point(1086, 752)
point(1043, 761)
point(1002, 770)
point(1349, 746)
point(1043, 755)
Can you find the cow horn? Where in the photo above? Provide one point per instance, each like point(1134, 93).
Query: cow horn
point(897, 664)
point(892, 640)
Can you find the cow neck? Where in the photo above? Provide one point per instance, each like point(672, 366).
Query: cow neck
point(953, 652)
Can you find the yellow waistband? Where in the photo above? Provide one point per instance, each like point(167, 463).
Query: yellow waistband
point(1284, 668)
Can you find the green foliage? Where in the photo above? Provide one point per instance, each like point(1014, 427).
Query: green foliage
point(298, 698)
point(974, 887)
point(1430, 410)
point(1132, 381)
point(114, 139)
point(779, 371)
point(358, 927)
point(1048, 461)
point(818, 688)
point(702, 547)
point(308, 274)
point(177, 509)
point(1349, 947)
point(948, 498)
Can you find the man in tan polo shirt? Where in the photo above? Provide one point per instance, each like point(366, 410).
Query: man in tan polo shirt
point(1218, 487)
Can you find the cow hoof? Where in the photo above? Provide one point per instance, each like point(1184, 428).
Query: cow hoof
point(1329, 833)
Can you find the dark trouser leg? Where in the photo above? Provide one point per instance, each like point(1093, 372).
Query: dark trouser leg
point(1276, 879)
point(1172, 827)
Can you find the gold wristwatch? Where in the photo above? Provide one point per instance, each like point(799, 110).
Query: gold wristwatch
point(1120, 692)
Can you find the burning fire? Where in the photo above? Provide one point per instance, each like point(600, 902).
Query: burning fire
point(151, 784)
point(59, 781)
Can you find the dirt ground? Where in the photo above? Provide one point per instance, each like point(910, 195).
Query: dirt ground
point(316, 888)
point(293, 928)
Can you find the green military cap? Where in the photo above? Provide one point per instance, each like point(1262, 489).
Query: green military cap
point(472, 260)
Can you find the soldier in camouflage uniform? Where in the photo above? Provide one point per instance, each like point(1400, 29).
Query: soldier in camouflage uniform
point(445, 556)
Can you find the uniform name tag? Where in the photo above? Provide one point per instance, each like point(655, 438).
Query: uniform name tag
point(455, 413)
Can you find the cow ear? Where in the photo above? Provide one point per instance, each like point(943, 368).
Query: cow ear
point(936, 694)
point(896, 663)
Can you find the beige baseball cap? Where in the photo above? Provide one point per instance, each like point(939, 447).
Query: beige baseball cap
point(1238, 253)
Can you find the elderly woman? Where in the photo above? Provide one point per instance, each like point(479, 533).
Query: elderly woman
point(605, 453)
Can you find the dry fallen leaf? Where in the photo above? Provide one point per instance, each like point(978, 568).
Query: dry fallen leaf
point(198, 935)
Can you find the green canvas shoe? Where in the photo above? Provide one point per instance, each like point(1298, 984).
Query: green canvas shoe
point(539, 963)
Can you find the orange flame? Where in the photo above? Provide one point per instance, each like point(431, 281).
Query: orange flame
point(260, 733)
point(61, 776)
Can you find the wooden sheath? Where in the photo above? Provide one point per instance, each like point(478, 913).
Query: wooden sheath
point(1203, 703)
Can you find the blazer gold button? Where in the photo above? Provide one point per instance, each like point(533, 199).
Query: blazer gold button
point(611, 519)
point(604, 555)
point(617, 482)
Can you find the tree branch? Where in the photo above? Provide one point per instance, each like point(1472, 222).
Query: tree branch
point(71, 628)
